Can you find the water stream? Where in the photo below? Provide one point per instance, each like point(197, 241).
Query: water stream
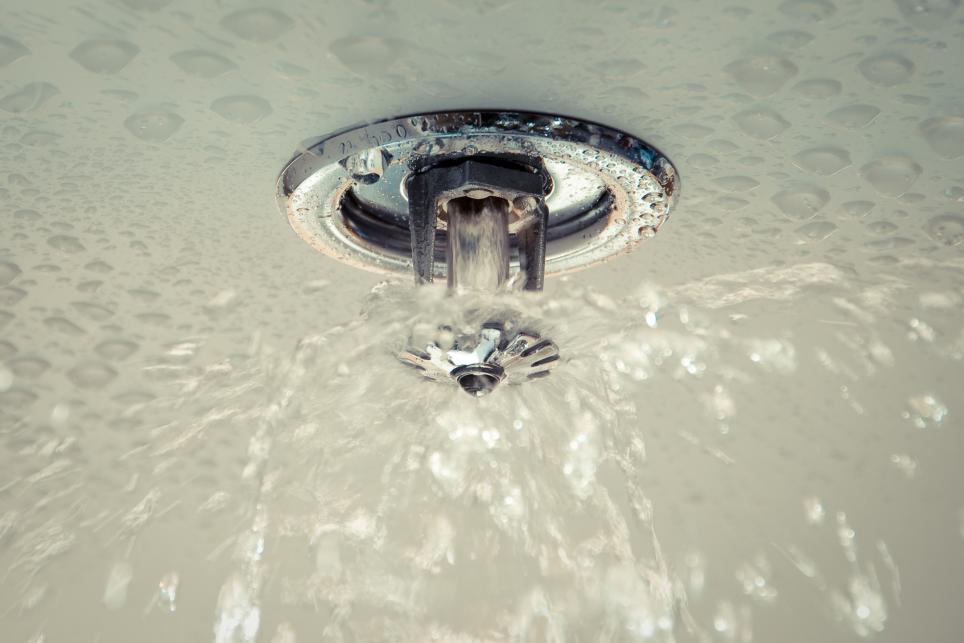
point(347, 499)
point(478, 244)
point(404, 511)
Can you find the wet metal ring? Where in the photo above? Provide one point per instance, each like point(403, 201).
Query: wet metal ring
point(345, 194)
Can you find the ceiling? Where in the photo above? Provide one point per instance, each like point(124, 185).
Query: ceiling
point(820, 146)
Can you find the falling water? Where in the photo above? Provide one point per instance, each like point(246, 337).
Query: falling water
point(361, 502)
point(415, 513)
point(478, 244)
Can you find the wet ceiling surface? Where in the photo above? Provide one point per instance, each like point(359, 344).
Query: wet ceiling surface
point(804, 470)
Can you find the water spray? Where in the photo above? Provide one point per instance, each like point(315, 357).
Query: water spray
point(488, 200)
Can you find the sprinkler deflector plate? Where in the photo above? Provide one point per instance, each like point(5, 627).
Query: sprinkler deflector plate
point(480, 360)
point(345, 194)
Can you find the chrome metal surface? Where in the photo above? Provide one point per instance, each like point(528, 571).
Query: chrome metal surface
point(346, 193)
point(479, 361)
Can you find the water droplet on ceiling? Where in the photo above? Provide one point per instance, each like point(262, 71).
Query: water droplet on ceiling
point(369, 55)
point(853, 116)
point(802, 202)
point(886, 69)
point(823, 160)
point(946, 229)
point(31, 97)
point(891, 175)
point(241, 109)
point(818, 88)
point(945, 135)
point(11, 50)
point(762, 123)
point(155, 127)
point(202, 63)
point(761, 75)
point(257, 25)
point(104, 56)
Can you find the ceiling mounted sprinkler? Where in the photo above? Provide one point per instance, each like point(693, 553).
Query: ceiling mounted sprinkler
point(472, 196)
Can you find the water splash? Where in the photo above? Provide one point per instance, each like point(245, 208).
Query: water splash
point(862, 606)
point(238, 616)
point(538, 512)
point(118, 581)
point(167, 591)
point(925, 411)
